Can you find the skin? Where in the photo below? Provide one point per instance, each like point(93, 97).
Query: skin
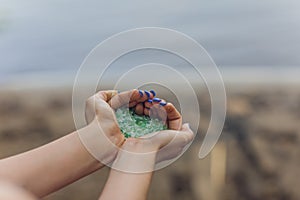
point(66, 160)
point(165, 145)
point(9, 191)
point(124, 181)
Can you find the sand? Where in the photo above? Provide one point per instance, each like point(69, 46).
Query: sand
point(258, 151)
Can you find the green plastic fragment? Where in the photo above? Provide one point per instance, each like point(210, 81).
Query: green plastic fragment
point(134, 125)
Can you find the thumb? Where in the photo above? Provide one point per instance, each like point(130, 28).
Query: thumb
point(106, 95)
point(162, 138)
point(99, 99)
point(186, 127)
point(188, 132)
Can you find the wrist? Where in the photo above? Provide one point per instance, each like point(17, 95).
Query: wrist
point(140, 145)
point(82, 150)
point(101, 146)
point(109, 130)
point(136, 156)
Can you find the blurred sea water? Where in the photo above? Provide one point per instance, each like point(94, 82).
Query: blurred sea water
point(46, 41)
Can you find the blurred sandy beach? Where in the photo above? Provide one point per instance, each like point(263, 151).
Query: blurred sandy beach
point(257, 156)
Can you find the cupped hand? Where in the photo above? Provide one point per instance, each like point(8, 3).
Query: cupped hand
point(169, 143)
point(139, 155)
point(104, 135)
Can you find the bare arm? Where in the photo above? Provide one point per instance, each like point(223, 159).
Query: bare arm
point(50, 167)
point(9, 191)
point(123, 186)
point(131, 173)
point(59, 163)
point(132, 170)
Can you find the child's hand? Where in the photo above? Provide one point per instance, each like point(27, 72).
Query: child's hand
point(170, 143)
point(141, 154)
point(99, 113)
point(103, 136)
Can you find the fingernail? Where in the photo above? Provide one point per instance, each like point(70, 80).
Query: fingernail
point(149, 100)
point(162, 103)
point(153, 92)
point(141, 93)
point(147, 93)
point(156, 99)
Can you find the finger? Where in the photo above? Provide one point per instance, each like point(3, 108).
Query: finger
point(162, 138)
point(157, 100)
point(148, 103)
point(153, 113)
point(146, 95)
point(132, 104)
point(186, 135)
point(177, 138)
point(142, 95)
point(139, 109)
point(157, 112)
point(124, 99)
point(146, 111)
point(172, 112)
point(175, 147)
point(160, 112)
point(174, 117)
point(139, 96)
point(188, 132)
point(98, 99)
point(129, 98)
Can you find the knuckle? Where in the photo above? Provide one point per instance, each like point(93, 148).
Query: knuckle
point(170, 107)
point(134, 92)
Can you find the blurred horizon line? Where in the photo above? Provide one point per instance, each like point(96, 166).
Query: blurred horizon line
point(232, 75)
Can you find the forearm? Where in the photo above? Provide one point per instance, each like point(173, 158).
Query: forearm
point(50, 167)
point(131, 173)
point(9, 191)
point(126, 186)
